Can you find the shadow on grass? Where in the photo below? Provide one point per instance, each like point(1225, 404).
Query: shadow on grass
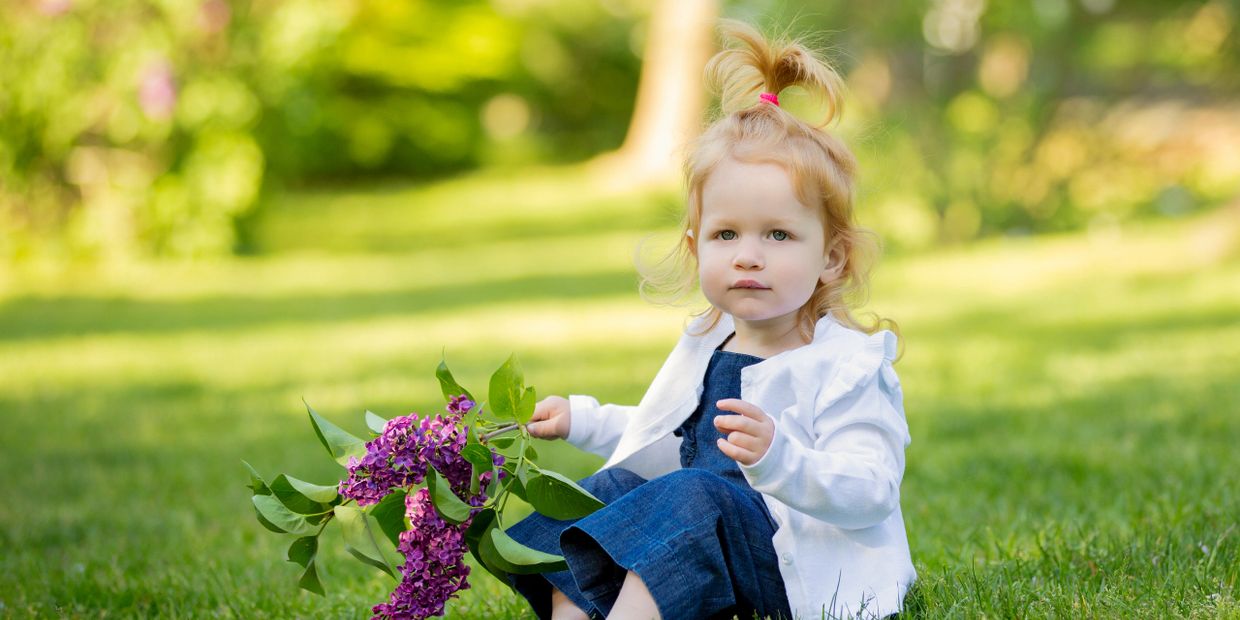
point(31, 318)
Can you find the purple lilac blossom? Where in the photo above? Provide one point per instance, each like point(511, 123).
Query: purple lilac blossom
point(433, 570)
point(460, 405)
point(433, 549)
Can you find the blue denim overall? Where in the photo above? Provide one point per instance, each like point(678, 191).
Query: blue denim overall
point(699, 537)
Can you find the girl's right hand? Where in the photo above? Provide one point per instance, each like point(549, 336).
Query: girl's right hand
point(551, 418)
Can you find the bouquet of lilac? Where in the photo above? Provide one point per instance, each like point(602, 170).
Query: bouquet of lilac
point(424, 490)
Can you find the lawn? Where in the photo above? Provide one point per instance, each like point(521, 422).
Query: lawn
point(1073, 400)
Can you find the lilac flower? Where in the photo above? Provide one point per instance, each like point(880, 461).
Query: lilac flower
point(398, 457)
point(433, 570)
point(433, 549)
point(460, 405)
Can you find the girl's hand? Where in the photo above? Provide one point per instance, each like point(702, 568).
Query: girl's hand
point(550, 419)
point(751, 431)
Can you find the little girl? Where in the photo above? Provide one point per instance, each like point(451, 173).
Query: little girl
point(761, 471)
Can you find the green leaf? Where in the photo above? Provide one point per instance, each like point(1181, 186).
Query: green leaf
point(339, 443)
point(507, 385)
point(257, 484)
point(280, 517)
point(479, 528)
point(556, 496)
point(530, 453)
point(375, 422)
point(502, 442)
point(447, 504)
point(525, 409)
point(303, 497)
point(448, 384)
point(303, 550)
point(479, 455)
point(390, 514)
point(310, 581)
point(364, 538)
point(510, 556)
point(267, 524)
point(484, 520)
point(322, 493)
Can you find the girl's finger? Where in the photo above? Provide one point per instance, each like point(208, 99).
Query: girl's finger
point(535, 429)
point(746, 409)
point(736, 423)
point(733, 452)
point(743, 440)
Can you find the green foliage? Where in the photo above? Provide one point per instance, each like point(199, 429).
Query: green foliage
point(339, 443)
point(375, 422)
point(448, 384)
point(507, 390)
point(390, 515)
point(1021, 118)
point(558, 497)
point(303, 497)
point(146, 127)
point(279, 518)
point(481, 527)
point(447, 504)
point(171, 137)
point(302, 552)
point(500, 550)
point(364, 538)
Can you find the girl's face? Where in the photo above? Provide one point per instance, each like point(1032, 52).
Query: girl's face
point(760, 252)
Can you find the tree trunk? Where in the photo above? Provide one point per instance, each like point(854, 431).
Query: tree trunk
point(671, 97)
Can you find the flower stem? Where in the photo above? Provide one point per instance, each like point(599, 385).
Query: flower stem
point(498, 431)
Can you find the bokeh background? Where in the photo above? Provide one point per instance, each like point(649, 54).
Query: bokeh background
point(211, 209)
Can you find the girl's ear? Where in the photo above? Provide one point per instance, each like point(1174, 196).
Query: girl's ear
point(836, 260)
point(691, 242)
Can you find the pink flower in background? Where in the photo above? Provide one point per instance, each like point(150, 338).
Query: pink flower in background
point(157, 92)
point(53, 8)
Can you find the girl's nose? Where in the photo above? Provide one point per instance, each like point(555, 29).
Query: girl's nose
point(747, 257)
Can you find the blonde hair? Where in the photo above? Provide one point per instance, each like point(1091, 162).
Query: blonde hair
point(820, 165)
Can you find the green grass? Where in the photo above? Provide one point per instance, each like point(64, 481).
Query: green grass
point(1073, 400)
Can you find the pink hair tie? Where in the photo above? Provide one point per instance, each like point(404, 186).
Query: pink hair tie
point(770, 98)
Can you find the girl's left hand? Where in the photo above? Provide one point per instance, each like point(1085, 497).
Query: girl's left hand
point(751, 431)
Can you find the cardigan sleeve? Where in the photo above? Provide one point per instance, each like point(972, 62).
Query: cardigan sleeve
point(596, 428)
point(850, 476)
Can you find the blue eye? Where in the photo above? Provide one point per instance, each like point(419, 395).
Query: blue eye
point(727, 235)
point(779, 235)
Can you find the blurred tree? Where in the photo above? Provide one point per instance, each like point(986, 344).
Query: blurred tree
point(670, 97)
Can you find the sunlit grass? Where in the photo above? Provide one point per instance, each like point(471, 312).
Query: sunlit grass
point(1072, 400)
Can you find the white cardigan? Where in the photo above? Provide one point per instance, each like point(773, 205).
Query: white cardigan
point(831, 477)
